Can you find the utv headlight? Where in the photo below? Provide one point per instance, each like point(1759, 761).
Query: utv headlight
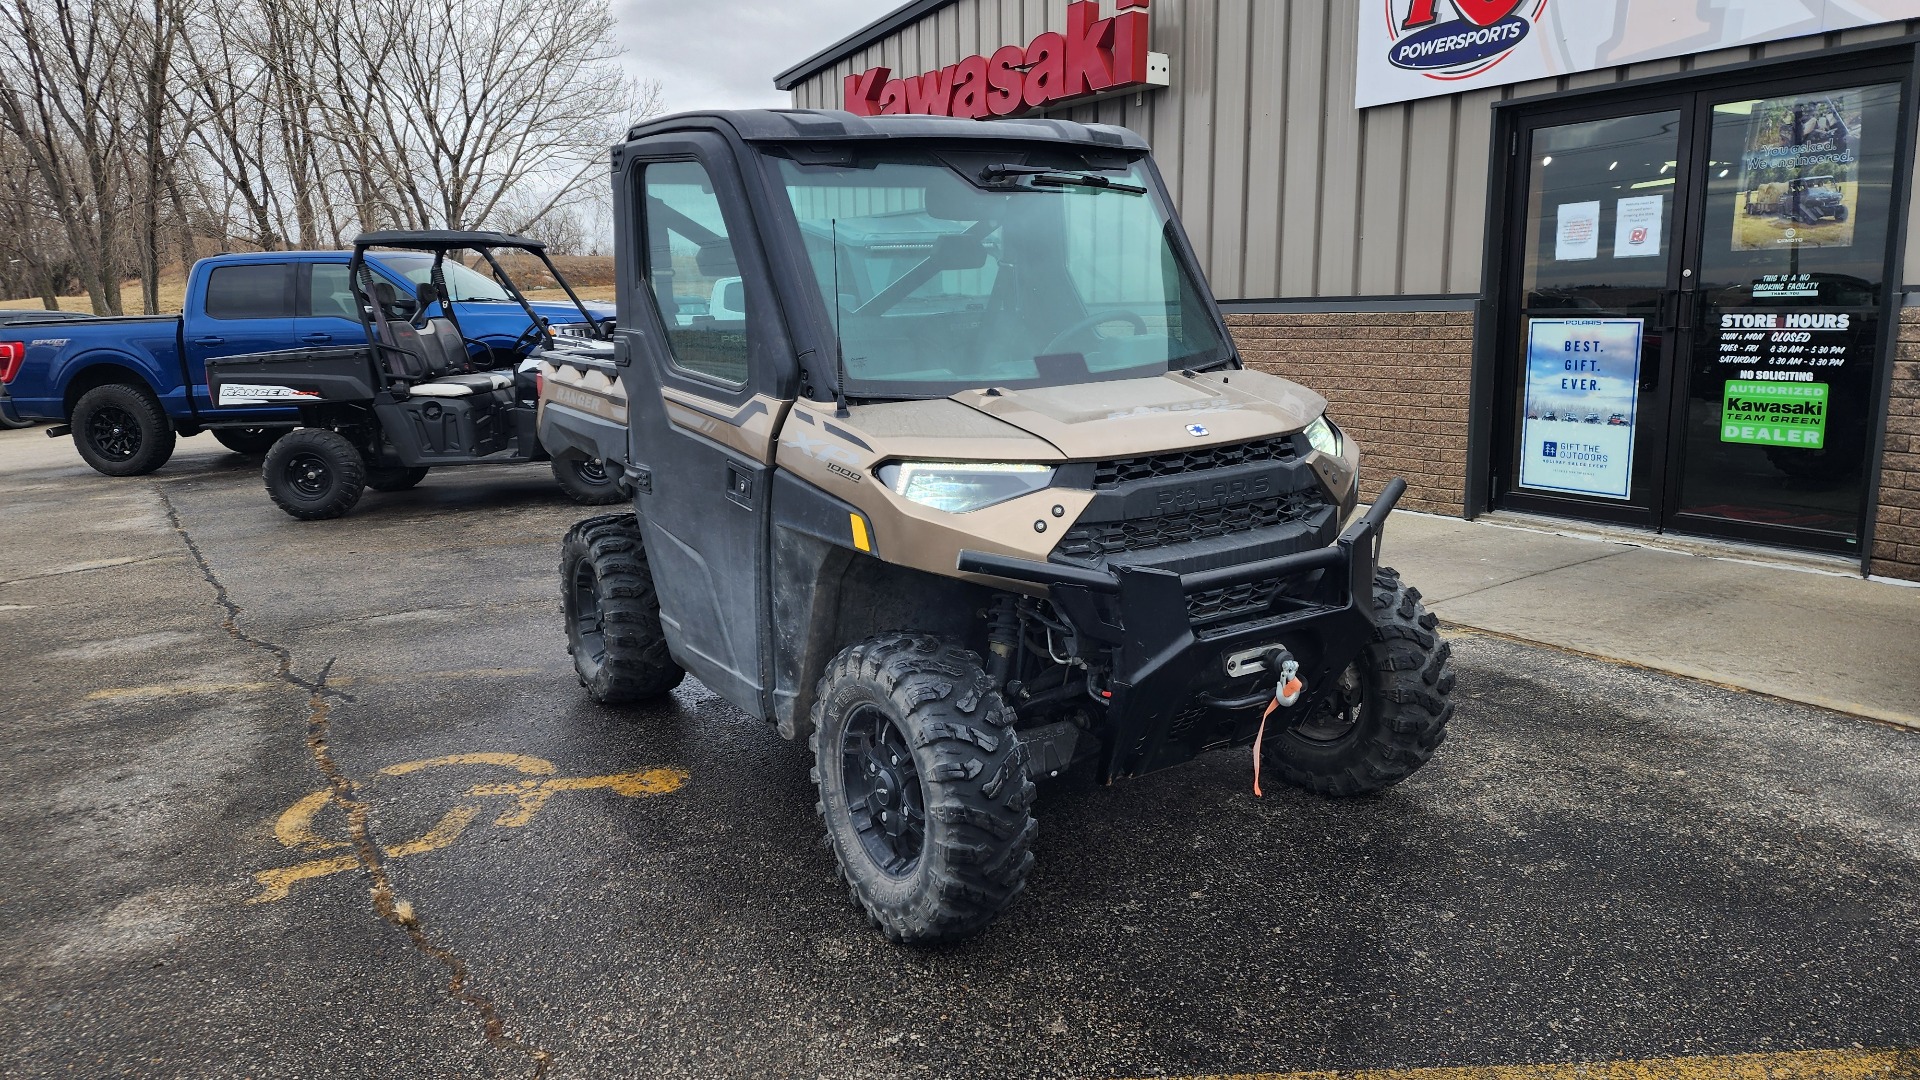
point(960, 486)
point(1324, 437)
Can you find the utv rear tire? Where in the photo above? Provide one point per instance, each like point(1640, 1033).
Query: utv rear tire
point(315, 474)
point(1389, 712)
point(397, 478)
point(251, 441)
point(587, 481)
point(613, 614)
point(121, 430)
point(908, 728)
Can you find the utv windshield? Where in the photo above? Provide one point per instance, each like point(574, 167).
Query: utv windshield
point(955, 277)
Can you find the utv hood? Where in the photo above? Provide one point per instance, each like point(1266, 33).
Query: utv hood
point(1177, 411)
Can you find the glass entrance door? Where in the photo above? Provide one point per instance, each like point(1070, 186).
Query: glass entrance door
point(1595, 350)
point(1698, 311)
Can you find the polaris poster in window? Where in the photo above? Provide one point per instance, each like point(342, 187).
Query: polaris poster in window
point(1583, 382)
point(1797, 182)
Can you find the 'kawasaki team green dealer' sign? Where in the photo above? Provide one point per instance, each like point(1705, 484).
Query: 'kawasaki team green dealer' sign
point(1775, 414)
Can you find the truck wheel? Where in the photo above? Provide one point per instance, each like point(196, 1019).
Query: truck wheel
point(251, 441)
point(587, 481)
point(613, 614)
point(923, 787)
point(315, 474)
point(1387, 714)
point(397, 478)
point(121, 431)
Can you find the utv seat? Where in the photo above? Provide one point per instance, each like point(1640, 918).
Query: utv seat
point(422, 360)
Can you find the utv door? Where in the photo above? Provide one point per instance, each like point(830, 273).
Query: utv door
point(707, 391)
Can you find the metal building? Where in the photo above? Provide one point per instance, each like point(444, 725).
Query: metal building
point(1641, 262)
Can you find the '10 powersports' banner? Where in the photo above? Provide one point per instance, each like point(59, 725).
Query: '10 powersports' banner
point(1425, 48)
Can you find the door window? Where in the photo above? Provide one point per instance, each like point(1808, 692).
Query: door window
point(251, 291)
point(1598, 261)
point(1778, 415)
point(328, 292)
point(694, 274)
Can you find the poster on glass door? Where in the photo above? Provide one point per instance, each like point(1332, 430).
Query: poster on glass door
point(1797, 182)
point(1583, 383)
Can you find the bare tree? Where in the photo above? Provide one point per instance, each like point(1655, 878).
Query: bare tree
point(64, 98)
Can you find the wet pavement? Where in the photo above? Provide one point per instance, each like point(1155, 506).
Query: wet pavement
point(288, 799)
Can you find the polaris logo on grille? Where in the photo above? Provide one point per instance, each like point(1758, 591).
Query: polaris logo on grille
point(1196, 431)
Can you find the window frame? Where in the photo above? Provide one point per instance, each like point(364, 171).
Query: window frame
point(645, 284)
point(289, 297)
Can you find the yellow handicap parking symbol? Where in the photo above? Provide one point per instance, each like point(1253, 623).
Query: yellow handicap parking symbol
point(296, 830)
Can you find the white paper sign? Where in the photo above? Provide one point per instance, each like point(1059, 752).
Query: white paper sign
point(1578, 236)
point(1636, 227)
point(1426, 48)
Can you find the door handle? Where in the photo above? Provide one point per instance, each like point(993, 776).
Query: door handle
point(209, 340)
point(316, 338)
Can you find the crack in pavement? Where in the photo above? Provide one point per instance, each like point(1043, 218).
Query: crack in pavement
point(1523, 577)
point(387, 904)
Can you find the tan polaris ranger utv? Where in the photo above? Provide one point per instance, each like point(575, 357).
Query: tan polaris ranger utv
point(971, 486)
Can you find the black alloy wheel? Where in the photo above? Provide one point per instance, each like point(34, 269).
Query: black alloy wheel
point(884, 794)
point(121, 430)
point(114, 433)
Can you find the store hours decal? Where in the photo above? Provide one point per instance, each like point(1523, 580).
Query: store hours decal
point(1583, 386)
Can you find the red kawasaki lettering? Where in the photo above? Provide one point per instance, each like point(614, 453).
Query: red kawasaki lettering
point(1130, 48)
point(1005, 80)
point(970, 89)
point(1089, 69)
point(863, 91)
point(1046, 69)
point(893, 98)
point(932, 93)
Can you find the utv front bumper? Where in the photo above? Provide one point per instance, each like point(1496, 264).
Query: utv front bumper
point(1172, 693)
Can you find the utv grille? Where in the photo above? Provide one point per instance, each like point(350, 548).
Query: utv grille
point(1111, 474)
point(1100, 539)
point(1247, 599)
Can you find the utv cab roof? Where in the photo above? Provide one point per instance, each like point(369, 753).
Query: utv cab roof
point(444, 240)
point(821, 125)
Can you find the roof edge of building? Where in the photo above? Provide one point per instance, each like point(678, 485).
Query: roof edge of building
point(911, 12)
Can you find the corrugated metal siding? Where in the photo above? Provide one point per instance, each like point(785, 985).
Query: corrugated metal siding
point(1285, 189)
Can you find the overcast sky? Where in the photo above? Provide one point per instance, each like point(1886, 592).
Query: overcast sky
point(723, 54)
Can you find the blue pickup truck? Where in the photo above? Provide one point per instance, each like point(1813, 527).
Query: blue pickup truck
point(126, 388)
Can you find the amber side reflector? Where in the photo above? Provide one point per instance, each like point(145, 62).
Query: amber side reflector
point(860, 538)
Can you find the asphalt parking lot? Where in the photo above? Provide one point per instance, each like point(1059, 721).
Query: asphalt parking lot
point(285, 799)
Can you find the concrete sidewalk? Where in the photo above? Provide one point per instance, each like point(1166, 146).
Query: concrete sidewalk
point(1725, 616)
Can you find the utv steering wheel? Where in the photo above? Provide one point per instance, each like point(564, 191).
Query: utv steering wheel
point(523, 344)
point(1130, 318)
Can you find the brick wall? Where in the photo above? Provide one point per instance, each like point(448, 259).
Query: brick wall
point(1395, 381)
point(1896, 532)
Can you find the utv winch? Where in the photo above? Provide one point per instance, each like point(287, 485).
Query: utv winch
point(968, 486)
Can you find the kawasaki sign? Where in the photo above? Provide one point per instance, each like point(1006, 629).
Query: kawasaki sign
point(1096, 57)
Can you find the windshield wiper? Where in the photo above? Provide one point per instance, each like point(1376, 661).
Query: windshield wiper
point(1045, 177)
